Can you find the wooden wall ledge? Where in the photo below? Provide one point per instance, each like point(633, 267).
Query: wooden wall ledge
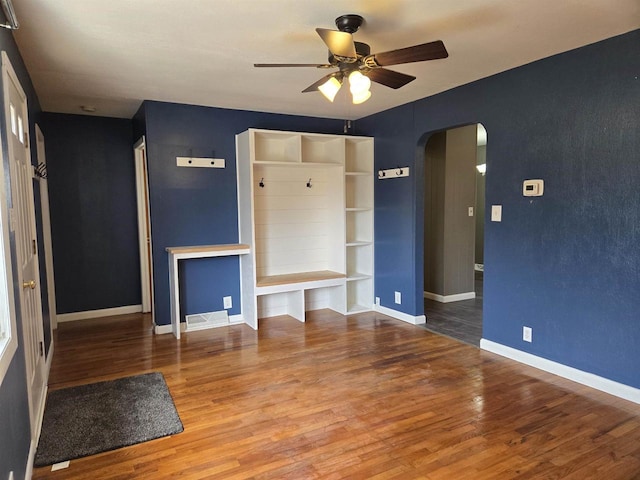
point(211, 250)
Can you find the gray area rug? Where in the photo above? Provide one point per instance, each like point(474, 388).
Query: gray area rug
point(98, 417)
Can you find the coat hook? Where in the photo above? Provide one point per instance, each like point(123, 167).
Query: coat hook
point(309, 184)
point(261, 182)
point(382, 173)
point(399, 172)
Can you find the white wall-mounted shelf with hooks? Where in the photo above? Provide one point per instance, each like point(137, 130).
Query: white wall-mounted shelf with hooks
point(397, 172)
point(200, 162)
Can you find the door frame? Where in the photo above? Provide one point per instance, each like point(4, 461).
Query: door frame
point(144, 226)
point(46, 228)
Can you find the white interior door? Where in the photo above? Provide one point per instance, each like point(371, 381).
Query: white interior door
point(46, 228)
point(23, 213)
point(144, 226)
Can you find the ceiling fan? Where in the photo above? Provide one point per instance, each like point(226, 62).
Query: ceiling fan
point(355, 61)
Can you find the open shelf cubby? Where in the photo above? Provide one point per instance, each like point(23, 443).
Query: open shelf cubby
point(276, 147)
point(323, 149)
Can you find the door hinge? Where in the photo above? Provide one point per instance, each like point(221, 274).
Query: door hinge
point(34, 247)
point(41, 349)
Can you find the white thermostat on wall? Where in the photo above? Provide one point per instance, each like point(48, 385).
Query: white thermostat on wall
point(533, 188)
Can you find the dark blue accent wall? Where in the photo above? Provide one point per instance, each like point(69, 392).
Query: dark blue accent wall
point(92, 200)
point(566, 264)
point(15, 435)
point(198, 206)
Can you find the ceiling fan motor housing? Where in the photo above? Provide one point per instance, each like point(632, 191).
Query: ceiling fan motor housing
point(362, 50)
point(349, 23)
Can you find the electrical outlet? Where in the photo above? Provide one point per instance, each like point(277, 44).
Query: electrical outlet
point(527, 334)
point(398, 298)
point(378, 301)
point(227, 303)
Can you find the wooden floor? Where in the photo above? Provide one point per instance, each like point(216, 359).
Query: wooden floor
point(361, 397)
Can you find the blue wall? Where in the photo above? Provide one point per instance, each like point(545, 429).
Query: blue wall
point(198, 206)
point(15, 434)
point(567, 264)
point(92, 201)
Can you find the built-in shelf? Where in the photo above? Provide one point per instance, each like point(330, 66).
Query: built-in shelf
point(305, 200)
point(357, 276)
point(358, 244)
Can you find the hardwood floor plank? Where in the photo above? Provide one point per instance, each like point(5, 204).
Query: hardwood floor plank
point(345, 397)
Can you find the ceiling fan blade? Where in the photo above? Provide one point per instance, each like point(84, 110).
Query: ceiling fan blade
point(314, 86)
point(316, 65)
point(389, 78)
point(417, 53)
point(340, 43)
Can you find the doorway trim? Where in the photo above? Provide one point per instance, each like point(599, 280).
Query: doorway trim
point(46, 228)
point(419, 210)
point(144, 226)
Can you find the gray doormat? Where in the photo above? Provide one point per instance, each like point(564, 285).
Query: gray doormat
point(98, 417)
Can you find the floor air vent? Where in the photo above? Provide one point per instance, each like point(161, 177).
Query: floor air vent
point(202, 321)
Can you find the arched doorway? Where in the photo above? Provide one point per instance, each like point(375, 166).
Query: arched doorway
point(454, 176)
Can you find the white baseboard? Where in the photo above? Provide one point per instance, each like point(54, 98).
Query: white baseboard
point(163, 329)
point(405, 317)
point(105, 312)
point(589, 379)
point(450, 298)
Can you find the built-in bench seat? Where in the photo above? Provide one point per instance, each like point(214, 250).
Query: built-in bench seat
point(294, 279)
point(294, 286)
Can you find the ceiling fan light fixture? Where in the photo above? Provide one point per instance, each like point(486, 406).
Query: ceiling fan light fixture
point(358, 83)
point(330, 88)
point(361, 97)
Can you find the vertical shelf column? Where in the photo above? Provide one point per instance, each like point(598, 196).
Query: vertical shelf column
point(359, 223)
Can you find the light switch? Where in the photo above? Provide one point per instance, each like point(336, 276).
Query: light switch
point(496, 213)
point(471, 211)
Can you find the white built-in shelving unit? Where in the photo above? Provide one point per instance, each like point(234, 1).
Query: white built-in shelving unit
point(306, 211)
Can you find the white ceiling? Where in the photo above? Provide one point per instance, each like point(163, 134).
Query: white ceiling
point(112, 54)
